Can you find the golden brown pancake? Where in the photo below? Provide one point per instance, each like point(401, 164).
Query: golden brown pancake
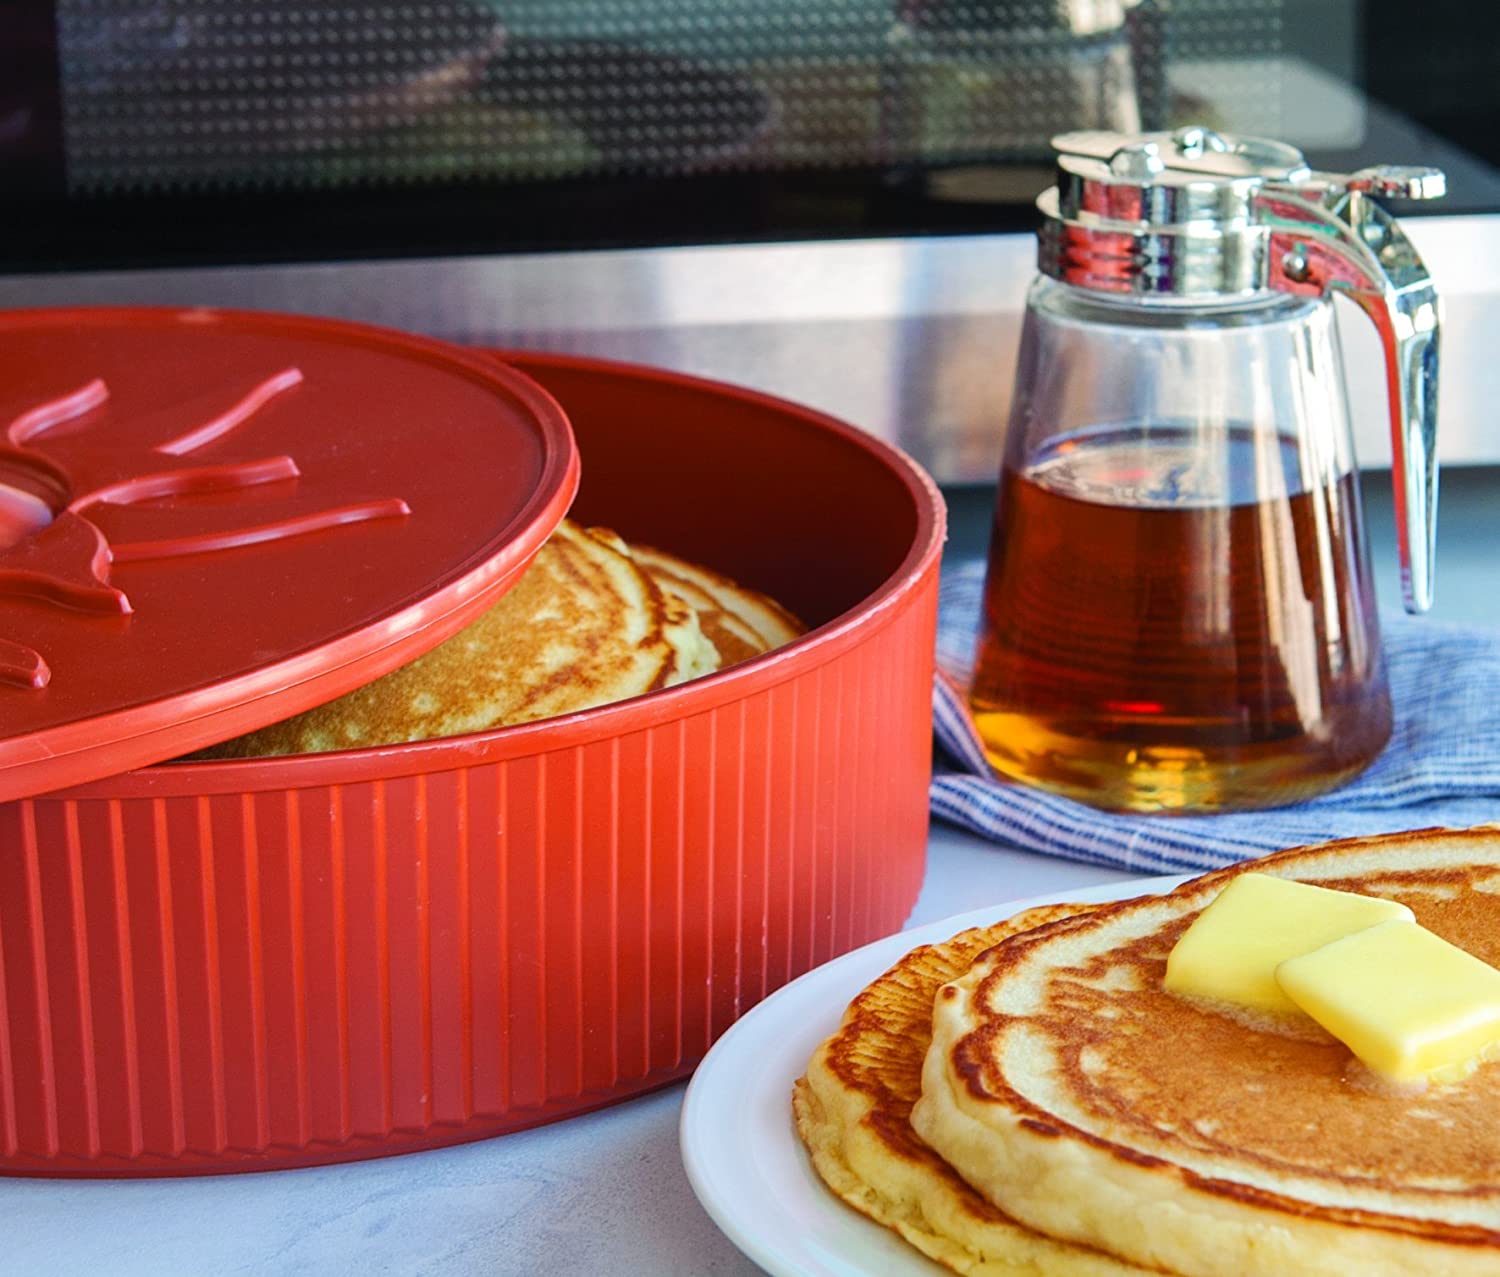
point(1080, 1097)
point(584, 626)
point(740, 622)
point(852, 1112)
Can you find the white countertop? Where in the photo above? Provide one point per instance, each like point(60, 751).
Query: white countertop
point(603, 1193)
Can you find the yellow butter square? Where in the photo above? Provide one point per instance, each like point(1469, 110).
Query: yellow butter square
point(1231, 952)
point(1404, 1000)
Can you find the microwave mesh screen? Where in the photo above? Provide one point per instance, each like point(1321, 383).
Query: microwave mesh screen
point(174, 95)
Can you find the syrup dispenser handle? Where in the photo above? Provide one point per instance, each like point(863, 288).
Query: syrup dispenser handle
point(1327, 235)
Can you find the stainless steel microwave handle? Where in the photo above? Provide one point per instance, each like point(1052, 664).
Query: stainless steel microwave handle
point(1327, 236)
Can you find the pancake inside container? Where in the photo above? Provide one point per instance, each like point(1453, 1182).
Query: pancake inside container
point(737, 621)
point(852, 1111)
point(1077, 1095)
point(591, 621)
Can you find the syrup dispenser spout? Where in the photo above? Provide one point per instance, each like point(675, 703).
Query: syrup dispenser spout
point(1329, 235)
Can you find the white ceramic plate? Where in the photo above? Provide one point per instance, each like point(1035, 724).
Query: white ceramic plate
point(740, 1148)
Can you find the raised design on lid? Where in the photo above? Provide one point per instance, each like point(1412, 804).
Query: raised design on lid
point(211, 519)
point(66, 560)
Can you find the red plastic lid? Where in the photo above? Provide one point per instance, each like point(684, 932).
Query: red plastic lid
point(210, 520)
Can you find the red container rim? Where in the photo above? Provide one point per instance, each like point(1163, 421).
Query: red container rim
point(818, 646)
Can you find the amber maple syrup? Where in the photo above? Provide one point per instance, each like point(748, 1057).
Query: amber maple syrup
point(1170, 627)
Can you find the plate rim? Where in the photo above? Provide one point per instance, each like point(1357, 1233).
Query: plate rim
point(877, 957)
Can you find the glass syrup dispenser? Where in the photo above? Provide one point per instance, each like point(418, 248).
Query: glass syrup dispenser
point(1179, 614)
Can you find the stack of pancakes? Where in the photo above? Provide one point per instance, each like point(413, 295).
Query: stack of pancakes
point(1027, 1099)
point(591, 621)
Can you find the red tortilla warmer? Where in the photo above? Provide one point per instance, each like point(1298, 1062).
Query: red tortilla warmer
point(215, 966)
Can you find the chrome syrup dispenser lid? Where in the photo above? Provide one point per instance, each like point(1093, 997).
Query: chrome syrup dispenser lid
point(1199, 216)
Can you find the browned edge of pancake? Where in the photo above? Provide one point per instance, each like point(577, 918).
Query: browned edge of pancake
point(442, 666)
point(788, 618)
point(986, 1087)
point(897, 1007)
point(869, 1012)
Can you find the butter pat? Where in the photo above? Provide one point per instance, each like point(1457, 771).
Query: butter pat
point(1231, 952)
point(1406, 1002)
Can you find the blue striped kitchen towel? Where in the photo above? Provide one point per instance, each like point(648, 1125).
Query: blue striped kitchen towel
point(1442, 766)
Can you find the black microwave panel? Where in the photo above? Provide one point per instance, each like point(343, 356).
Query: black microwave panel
point(178, 132)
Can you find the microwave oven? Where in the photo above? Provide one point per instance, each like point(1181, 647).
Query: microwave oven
point(832, 200)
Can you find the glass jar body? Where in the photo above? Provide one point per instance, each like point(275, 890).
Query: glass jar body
point(1179, 614)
